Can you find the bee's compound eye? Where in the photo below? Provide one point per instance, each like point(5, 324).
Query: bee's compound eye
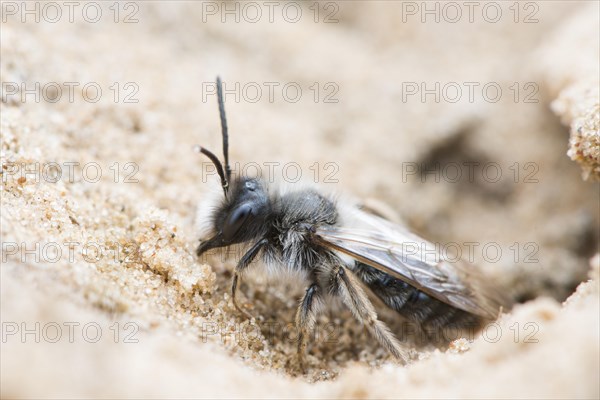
point(235, 220)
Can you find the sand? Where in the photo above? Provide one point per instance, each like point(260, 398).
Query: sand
point(101, 292)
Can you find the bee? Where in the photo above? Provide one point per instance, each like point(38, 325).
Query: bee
point(341, 251)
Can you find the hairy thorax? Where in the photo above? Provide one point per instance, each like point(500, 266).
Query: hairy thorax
point(295, 214)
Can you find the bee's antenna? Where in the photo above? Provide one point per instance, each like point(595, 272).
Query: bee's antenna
point(224, 129)
point(224, 173)
point(217, 163)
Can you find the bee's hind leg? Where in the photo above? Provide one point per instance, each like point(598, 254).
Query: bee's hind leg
point(306, 318)
point(354, 297)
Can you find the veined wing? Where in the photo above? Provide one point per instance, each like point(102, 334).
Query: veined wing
point(392, 249)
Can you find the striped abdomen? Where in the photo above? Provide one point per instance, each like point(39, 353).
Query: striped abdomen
point(413, 304)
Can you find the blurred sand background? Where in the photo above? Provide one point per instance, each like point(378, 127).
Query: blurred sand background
point(148, 286)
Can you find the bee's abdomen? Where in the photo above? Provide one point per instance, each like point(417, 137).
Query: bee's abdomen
point(412, 303)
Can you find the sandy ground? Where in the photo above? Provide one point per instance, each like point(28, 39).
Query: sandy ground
point(101, 292)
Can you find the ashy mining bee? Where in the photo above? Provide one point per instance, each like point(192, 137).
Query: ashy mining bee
point(341, 251)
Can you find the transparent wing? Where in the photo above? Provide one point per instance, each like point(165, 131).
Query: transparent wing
point(392, 249)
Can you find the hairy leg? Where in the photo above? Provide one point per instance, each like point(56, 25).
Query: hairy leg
point(306, 318)
point(240, 267)
point(353, 296)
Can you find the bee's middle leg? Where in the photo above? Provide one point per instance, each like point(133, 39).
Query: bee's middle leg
point(306, 318)
point(354, 297)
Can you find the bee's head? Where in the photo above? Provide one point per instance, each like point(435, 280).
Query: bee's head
point(240, 217)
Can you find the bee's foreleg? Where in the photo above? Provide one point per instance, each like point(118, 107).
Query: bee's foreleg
point(354, 297)
point(239, 268)
point(306, 318)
